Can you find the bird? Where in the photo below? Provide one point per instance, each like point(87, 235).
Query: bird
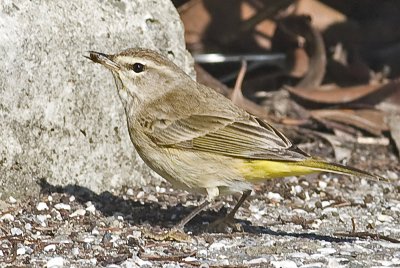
point(199, 140)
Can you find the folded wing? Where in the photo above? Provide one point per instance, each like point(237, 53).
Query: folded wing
point(235, 136)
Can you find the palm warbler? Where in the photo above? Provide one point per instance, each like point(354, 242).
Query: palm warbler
point(196, 138)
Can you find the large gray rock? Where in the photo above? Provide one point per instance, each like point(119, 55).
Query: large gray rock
point(60, 116)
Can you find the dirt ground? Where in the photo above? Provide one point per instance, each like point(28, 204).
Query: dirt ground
point(320, 220)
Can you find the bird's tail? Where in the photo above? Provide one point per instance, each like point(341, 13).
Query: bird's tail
point(319, 165)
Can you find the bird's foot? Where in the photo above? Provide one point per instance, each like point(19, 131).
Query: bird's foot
point(173, 234)
point(225, 225)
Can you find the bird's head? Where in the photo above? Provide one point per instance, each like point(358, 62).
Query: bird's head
point(141, 75)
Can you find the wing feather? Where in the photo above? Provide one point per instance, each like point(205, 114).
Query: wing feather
point(240, 137)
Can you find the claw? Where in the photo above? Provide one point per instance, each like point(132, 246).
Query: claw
point(225, 225)
point(170, 235)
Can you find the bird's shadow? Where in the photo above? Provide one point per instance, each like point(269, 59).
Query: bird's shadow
point(154, 214)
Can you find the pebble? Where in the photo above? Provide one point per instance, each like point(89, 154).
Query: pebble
point(170, 265)
point(42, 206)
point(326, 203)
point(160, 189)
point(322, 184)
point(140, 195)
point(202, 253)
point(136, 234)
point(12, 200)
point(62, 206)
point(1, 253)
point(95, 231)
point(50, 198)
point(386, 263)
point(394, 205)
point(16, 231)
point(389, 245)
point(314, 265)
point(21, 251)
point(316, 223)
point(72, 198)
point(56, 214)
point(152, 198)
point(128, 264)
point(91, 208)
point(87, 246)
point(114, 239)
point(192, 259)
point(274, 197)
point(51, 247)
point(88, 239)
point(392, 175)
point(384, 218)
point(326, 251)
point(300, 211)
point(284, 264)
point(298, 189)
point(107, 237)
point(7, 217)
point(41, 219)
point(216, 246)
point(329, 210)
point(28, 226)
point(129, 192)
point(142, 263)
point(55, 262)
point(75, 251)
point(317, 256)
point(28, 250)
point(256, 261)
point(224, 262)
point(301, 255)
point(93, 261)
point(78, 212)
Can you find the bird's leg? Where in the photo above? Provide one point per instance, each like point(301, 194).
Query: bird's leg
point(192, 214)
point(227, 224)
point(176, 232)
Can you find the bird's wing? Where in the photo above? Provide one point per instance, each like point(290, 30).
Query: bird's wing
point(240, 136)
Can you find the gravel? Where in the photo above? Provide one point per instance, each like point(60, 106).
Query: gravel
point(316, 221)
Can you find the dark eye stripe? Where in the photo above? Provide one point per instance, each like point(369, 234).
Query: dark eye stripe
point(138, 67)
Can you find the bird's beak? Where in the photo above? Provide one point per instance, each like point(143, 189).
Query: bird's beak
point(103, 59)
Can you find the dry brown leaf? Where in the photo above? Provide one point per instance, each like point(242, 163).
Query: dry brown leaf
point(394, 124)
point(296, 32)
point(263, 30)
point(195, 28)
point(241, 26)
point(346, 94)
point(391, 107)
point(322, 15)
point(301, 63)
point(372, 121)
point(293, 121)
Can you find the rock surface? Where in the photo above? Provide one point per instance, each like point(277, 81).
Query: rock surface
point(60, 116)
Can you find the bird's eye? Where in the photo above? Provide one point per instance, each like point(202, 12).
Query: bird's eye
point(138, 67)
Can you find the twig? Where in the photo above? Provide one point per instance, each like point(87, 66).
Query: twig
point(353, 233)
point(366, 235)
